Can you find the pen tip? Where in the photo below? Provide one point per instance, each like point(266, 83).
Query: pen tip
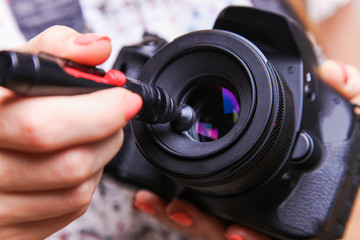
point(185, 119)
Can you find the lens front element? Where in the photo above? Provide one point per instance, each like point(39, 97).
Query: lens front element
point(216, 108)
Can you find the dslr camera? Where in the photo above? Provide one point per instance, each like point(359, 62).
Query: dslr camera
point(272, 147)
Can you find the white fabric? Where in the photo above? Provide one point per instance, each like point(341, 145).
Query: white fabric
point(320, 10)
point(10, 34)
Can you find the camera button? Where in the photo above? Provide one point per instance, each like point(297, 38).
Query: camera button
point(288, 181)
point(309, 92)
point(303, 148)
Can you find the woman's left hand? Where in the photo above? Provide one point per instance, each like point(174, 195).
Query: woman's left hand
point(190, 221)
point(185, 218)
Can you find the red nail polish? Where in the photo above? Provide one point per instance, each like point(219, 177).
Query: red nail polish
point(145, 208)
point(182, 218)
point(88, 38)
point(234, 237)
point(343, 69)
point(132, 105)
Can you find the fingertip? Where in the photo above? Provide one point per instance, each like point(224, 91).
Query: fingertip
point(234, 237)
point(182, 218)
point(89, 38)
point(132, 105)
point(89, 49)
point(238, 232)
point(181, 212)
point(343, 78)
point(144, 195)
point(124, 103)
point(145, 208)
point(185, 213)
point(235, 232)
point(334, 73)
point(141, 203)
point(189, 217)
point(148, 202)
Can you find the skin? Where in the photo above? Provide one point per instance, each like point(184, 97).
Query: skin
point(338, 35)
point(50, 173)
point(53, 149)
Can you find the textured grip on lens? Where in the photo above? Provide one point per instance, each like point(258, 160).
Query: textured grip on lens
point(159, 107)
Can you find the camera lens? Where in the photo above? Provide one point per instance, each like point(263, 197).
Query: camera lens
point(238, 140)
point(216, 109)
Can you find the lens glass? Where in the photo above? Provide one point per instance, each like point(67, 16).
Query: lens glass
point(216, 109)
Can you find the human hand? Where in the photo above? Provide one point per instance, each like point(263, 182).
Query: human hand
point(185, 218)
point(346, 80)
point(190, 221)
point(53, 149)
point(343, 78)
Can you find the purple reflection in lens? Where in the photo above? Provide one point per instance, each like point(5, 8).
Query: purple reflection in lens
point(207, 130)
point(222, 116)
point(231, 105)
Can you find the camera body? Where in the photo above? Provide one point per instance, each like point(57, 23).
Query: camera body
point(273, 147)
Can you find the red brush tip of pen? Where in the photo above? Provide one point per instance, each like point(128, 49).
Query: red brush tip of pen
point(115, 77)
point(112, 77)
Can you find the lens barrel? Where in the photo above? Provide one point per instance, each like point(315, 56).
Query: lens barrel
point(240, 106)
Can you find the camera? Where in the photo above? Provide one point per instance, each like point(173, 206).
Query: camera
point(273, 147)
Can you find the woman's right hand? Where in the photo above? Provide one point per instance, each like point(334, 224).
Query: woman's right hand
point(53, 149)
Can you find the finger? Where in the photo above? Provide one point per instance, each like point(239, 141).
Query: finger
point(154, 206)
point(150, 203)
point(89, 49)
point(48, 123)
point(39, 229)
point(236, 232)
point(204, 226)
point(38, 172)
point(343, 78)
point(35, 206)
point(180, 216)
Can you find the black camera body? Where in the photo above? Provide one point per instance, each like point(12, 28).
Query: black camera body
point(273, 147)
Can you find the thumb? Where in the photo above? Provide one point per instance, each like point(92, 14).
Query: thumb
point(343, 78)
point(64, 42)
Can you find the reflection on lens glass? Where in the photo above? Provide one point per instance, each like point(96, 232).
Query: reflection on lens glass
point(217, 110)
point(231, 104)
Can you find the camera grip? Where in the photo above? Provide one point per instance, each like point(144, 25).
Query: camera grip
point(325, 194)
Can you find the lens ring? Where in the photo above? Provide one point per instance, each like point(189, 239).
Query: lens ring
point(185, 62)
point(187, 71)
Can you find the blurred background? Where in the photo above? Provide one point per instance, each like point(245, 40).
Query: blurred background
point(125, 21)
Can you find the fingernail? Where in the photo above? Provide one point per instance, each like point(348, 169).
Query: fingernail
point(234, 237)
point(182, 218)
point(88, 38)
point(145, 208)
point(343, 71)
point(132, 105)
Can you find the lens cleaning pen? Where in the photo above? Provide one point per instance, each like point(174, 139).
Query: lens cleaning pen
point(46, 75)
